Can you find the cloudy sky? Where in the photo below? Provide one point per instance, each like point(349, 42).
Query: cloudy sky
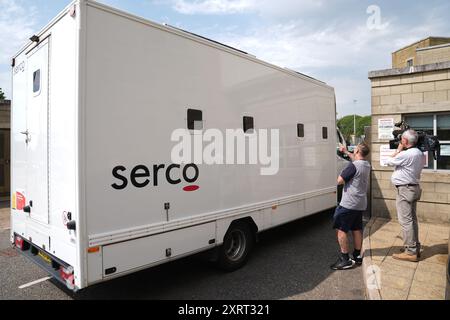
point(336, 41)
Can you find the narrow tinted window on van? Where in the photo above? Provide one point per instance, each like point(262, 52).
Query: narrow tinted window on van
point(301, 130)
point(194, 119)
point(325, 132)
point(249, 124)
point(37, 81)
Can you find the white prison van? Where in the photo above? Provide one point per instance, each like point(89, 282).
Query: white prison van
point(97, 95)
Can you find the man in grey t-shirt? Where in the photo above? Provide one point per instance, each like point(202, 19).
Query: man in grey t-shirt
point(348, 215)
point(409, 162)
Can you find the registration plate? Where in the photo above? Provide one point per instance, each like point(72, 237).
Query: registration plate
point(45, 257)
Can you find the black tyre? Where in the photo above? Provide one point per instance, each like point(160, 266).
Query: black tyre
point(238, 243)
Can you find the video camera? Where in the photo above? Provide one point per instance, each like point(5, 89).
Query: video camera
point(425, 143)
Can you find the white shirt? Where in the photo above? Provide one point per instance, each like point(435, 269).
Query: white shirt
point(408, 167)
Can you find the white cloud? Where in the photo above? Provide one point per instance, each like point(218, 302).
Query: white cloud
point(213, 6)
point(287, 45)
point(340, 52)
point(329, 55)
point(280, 8)
point(348, 89)
point(290, 9)
point(17, 22)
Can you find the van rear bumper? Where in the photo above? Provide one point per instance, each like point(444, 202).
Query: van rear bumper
point(38, 256)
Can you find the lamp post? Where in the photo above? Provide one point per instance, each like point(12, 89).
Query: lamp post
point(354, 122)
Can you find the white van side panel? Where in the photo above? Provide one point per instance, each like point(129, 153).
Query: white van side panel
point(143, 252)
point(140, 82)
point(63, 140)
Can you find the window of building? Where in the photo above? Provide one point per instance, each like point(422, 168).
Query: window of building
point(249, 124)
point(194, 119)
point(37, 81)
point(443, 133)
point(436, 125)
point(410, 62)
point(421, 123)
point(325, 133)
point(301, 130)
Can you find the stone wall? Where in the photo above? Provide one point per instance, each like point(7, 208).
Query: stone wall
point(396, 93)
point(433, 55)
point(400, 57)
point(5, 114)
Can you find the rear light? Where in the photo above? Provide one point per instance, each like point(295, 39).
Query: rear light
point(20, 243)
point(67, 276)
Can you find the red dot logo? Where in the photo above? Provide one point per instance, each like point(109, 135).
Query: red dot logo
point(191, 188)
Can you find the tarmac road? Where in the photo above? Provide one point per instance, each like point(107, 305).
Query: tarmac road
point(289, 262)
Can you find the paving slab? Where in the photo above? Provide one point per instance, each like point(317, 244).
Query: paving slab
point(431, 278)
point(425, 291)
point(389, 293)
point(389, 279)
point(4, 218)
point(431, 267)
point(397, 270)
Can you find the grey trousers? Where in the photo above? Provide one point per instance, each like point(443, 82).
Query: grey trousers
point(407, 197)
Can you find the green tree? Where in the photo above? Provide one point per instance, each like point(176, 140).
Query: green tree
point(2, 95)
point(362, 123)
point(346, 125)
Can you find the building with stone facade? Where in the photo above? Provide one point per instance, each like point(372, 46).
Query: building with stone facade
point(5, 127)
point(417, 91)
point(413, 54)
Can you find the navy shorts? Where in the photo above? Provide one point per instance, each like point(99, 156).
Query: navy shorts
point(347, 220)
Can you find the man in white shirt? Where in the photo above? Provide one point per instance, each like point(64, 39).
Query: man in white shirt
point(409, 162)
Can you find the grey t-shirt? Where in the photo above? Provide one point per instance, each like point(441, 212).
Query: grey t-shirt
point(356, 177)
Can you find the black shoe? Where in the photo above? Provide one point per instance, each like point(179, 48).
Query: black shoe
point(357, 260)
point(343, 264)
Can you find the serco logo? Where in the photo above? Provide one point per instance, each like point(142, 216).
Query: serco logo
point(142, 176)
point(19, 68)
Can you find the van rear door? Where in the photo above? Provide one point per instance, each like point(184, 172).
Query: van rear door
point(35, 135)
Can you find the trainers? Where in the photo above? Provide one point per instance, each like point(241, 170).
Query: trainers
point(419, 249)
point(405, 257)
point(342, 264)
point(358, 260)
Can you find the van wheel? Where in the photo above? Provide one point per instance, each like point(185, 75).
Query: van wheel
point(238, 243)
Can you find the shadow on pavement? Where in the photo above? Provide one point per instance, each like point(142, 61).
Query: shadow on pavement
point(426, 252)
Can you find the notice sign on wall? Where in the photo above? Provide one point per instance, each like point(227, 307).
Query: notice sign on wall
point(385, 128)
point(445, 150)
point(386, 153)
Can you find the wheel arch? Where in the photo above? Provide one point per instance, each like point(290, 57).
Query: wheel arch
point(224, 225)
